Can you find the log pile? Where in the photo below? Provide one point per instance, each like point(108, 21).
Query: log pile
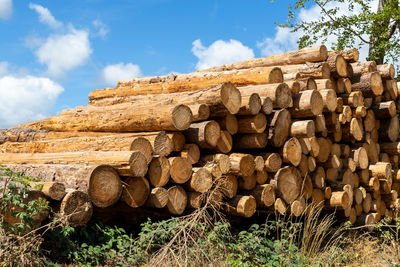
point(266, 135)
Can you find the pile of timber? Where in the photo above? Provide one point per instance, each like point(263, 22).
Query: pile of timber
point(272, 134)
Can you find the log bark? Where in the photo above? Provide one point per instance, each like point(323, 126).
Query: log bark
point(384, 110)
point(249, 141)
point(204, 134)
point(370, 84)
point(242, 163)
point(337, 65)
point(318, 70)
point(301, 129)
point(343, 85)
point(363, 67)
point(350, 55)
point(307, 104)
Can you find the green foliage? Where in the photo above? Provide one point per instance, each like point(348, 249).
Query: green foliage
point(377, 27)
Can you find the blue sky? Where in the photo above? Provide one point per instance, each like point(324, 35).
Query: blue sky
point(53, 53)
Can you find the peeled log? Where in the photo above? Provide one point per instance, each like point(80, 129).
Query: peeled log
point(339, 199)
point(370, 84)
point(387, 71)
point(350, 55)
point(318, 70)
point(242, 163)
point(287, 183)
point(204, 134)
point(363, 67)
point(127, 163)
point(244, 206)
point(279, 93)
point(337, 65)
point(77, 208)
point(307, 104)
point(192, 82)
point(279, 124)
point(309, 54)
point(177, 200)
point(136, 191)
point(119, 142)
point(301, 129)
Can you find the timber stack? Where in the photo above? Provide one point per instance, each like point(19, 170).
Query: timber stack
point(272, 134)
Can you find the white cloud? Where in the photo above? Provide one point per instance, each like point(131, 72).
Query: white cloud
point(102, 29)
point(27, 98)
point(220, 52)
point(45, 16)
point(63, 52)
point(285, 40)
point(111, 74)
point(3, 68)
point(5, 9)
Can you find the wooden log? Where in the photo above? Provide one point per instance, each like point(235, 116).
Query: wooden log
point(247, 182)
point(278, 127)
point(192, 82)
point(318, 198)
point(337, 65)
point(353, 99)
point(301, 129)
point(280, 206)
point(118, 118)
point(279, 93)
point(318, 70)
point(158, 198)
point(325, 146)
point(360, 157)
point(249, 141)
point(267, 105)
point(360, 112)
point(242, 163)
point(370, 84)
point(387, 71)
point(136, 191)
point(312, 163)
point(180, 170)
point(252, 124)
point(350, 55)
point(363, 67)
point(291, 151)
point(298, 207)
point(339, 199)
point(222, 160)
point(244, 206)
point(384, 110)
point(353, 131)
point(264, 195)
point(294, 85)
point(392, 148)
point(329, 99)
point(177, 200)
point(224, 143)
point(320, 124)
point(52, 190)
point(195, 200)
point(323, 84)
point(307, 104)
point(204, 134)
point(390, 87)
point(77, 208)
point(228, 123)
point(159, 171)
point(310, 146)
point(228, 185)
point(380, 170)
point(309, 54)
point(343, 85)
point(287, 183)
point(251, 104)
point(389, 129)
point(307, 84)
point(191, 152)
point(127, 163)
point(201, 180)
point(261, 177)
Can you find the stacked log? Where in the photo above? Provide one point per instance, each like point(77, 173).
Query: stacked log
point(275, 134)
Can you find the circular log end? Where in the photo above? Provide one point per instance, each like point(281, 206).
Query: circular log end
point(177, 200)
point(212, 133)
point(231, 97)
point(280, 206)
point(345, 200)
point(296, 208)
point(201, 180)
point(362, 158)
point(259, 123)
point(228, 185)
point(273, 162)
point(292, 151)
point(275, 75)
point(317, 103)
point(224, 163)
point(246, 206)
point(376, 83)
point(77, 207)
point(356, 128)
point(159, 197)
point(254, 104)
point(247, 165)
point(330, 99)
point(323, 52)
point(56, 190)
point(225, 142)
point(268, 195)
point(288, 183)
point(138, 164)
point(283, 96)
point(163, 145)
point(178, 141)
point(182, 117)
point(105, 186)
point(136, 191)
point(267, 105)
point(143, 145)
point(203, 112)
point(282, 121)
point(181, 169)
point(259, 163)
point(191, 152)
point(231, 124)
point(159, 171)
point(341, 66)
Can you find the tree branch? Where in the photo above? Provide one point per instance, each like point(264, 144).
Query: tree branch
point(392, 30)
point(347, 28)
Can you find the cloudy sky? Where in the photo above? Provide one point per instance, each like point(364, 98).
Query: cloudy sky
point(53, 53)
